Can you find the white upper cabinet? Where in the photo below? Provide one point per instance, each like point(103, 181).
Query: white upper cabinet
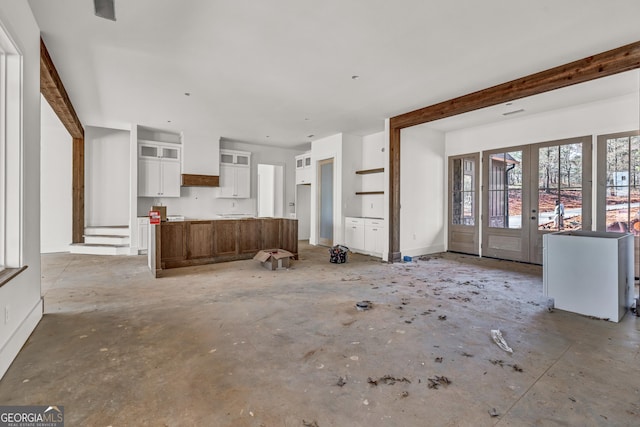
point(303, 169)
point(235, 174)
point(158, 169)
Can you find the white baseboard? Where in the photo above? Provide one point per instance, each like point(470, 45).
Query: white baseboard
point(15, 343)
point(422, 251)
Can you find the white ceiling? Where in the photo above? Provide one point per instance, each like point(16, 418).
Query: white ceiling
point(274, 72)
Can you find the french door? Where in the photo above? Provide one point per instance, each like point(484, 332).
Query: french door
point(463, 204)
point(532, 190)
point(619, 186)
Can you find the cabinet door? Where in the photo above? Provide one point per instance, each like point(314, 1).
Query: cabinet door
point(170, 179)
point(307, 161)
point(227, 181)
point(171, 153)
point(149, 178)
point(148, 151)
point(242, 159)
point(143, 234)
point(225, 237)
point(354, 233)
point(243, 182)
point(374, 235)
point(200, 239)
point(173, 243)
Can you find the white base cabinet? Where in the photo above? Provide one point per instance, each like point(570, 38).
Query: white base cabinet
point(365, 235)
point(589, 272)
point(354, 233)
point(143, 234)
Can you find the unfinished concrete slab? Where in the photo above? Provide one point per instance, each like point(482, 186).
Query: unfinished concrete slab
point(234, 344)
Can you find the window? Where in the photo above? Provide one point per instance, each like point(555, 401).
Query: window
point(619, 175)
point(10, 152)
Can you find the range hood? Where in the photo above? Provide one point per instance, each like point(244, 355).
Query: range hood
point(191, 180)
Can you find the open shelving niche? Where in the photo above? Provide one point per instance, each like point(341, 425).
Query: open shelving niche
point(367, 172)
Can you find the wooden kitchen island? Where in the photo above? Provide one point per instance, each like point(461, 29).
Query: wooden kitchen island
point(196, 242)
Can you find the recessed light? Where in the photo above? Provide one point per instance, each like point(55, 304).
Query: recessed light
point(355, 77)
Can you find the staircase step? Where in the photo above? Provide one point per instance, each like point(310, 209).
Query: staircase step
point(106, 239)
point(111, 230)
point(98, 249)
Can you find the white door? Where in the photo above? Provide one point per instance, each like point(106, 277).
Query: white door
point(325, 205)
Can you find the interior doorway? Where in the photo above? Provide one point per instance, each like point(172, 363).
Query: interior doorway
point(533, 190)
point(325, 202)
point(270, 191)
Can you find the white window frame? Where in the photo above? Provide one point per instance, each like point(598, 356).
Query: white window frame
point(11, 152)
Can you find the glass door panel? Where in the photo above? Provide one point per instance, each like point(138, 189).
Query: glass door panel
point(506, 203)
point(505, 190)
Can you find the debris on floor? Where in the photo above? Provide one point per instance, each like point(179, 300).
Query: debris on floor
point(442, 317)
point(313, 423)
point(388, 380)
point(404, 394)
point(438, 359)
point(341, 381)
point(437, 381)
point(493, 412)
point(364, 305)
point(498, 339)
point(502, 364)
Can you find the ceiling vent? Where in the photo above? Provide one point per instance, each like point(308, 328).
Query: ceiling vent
point(105, 9)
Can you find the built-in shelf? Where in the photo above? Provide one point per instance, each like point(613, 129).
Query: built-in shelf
point(362, 193)
point(368, 171)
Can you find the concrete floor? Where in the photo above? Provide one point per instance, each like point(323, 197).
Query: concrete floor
point(236, 345)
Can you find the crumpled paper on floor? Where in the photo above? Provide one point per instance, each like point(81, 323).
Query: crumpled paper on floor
point(498, 339)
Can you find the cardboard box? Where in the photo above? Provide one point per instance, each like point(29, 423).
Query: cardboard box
point(274, 259)
point(162, 210)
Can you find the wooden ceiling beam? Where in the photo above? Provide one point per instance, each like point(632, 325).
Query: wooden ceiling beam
point(53, 90)
point(604, 64)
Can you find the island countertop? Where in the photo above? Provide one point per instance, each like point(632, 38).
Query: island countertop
point(189, 242)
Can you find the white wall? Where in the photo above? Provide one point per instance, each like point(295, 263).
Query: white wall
point(422, 191)
point(56, 151)
point(202, 203)
point(22, 294)
point(107, 182)
point(373, 156)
